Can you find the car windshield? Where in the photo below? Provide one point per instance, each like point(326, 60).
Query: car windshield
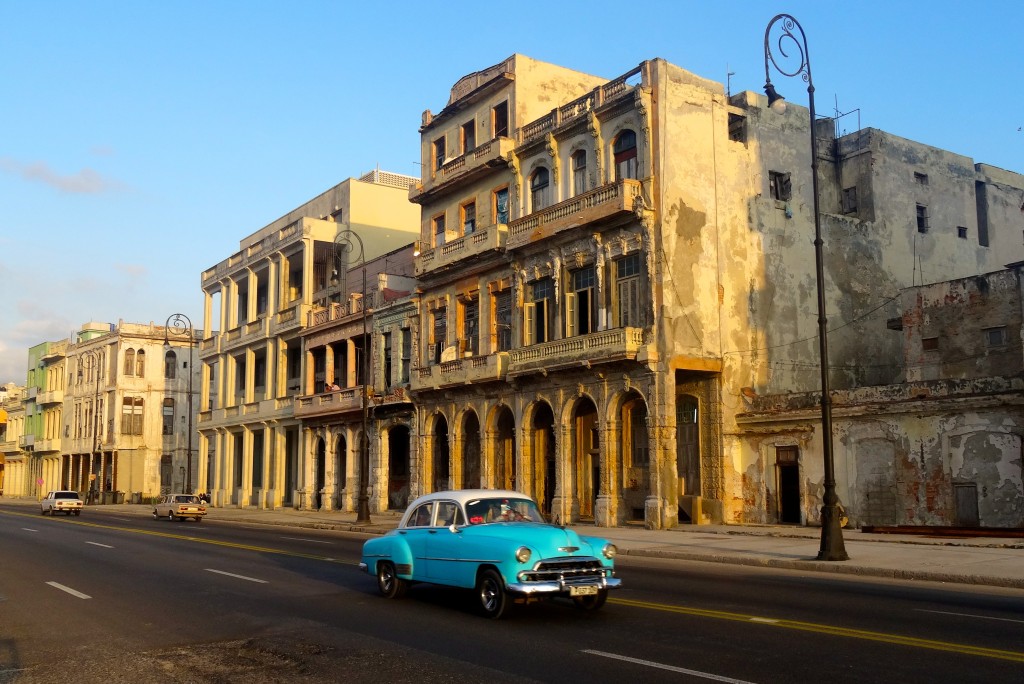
point(187, 499)
point(65, 495)
point(502, 509)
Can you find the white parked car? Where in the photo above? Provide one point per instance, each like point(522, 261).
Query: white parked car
point(61, 501)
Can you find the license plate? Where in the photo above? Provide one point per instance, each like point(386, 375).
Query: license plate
point(582, 591)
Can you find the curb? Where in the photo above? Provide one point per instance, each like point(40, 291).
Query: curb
point(838, 568)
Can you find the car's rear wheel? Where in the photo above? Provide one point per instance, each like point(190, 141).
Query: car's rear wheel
point(592, 602)
point(78, 512)
point(199, 518)
point(491, 592)
point(389, 583)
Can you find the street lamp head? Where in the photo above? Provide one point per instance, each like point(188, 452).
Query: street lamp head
point(776, 102)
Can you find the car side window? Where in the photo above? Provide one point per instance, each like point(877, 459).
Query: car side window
point(421, 518)
point(447, 514)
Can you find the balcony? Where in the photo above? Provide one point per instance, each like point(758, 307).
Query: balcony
point(600, 204)
point(464, 168)
point(396, 396)
point(330, 403)
point(47, 445)
point(607, 346)
point(464, 371)
point(26, 441)
point(480, 242)
point(50, 397)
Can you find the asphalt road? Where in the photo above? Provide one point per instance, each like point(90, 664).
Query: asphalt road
point(108, 597)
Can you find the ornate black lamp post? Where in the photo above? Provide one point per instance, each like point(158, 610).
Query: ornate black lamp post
point(180, 325)
point(94, 367)
point(832, 546)
point(344, 243)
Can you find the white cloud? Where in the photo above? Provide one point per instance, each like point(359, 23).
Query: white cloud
point(86, 181)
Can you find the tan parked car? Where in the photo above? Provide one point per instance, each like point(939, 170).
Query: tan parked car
point(179, 507)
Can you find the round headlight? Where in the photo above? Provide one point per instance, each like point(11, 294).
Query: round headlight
point(523, 554)
point(609, 551)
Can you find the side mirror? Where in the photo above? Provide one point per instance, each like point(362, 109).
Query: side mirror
point(453, 529)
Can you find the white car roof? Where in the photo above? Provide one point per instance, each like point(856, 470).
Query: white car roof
point(464, 495)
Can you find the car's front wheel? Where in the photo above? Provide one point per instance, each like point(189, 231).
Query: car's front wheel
point(170, 515)
point(491, 592)
point(592, 602)
point(389, 583)
point(156, 516)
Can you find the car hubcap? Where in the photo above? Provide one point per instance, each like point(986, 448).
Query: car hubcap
point(488, 595)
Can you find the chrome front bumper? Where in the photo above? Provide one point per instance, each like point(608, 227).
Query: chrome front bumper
point(562, 586)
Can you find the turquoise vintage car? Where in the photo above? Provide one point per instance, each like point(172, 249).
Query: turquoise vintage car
point(496, 542)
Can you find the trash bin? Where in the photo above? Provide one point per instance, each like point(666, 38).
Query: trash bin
point(119, 497)
point(136, 497)
point(107, 498)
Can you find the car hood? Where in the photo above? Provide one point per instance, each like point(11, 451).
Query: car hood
point(547, 540)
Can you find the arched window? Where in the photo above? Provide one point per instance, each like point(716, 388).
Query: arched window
point(140, 363)
point(129, 362)
point(539, 189)
point(170, 365)
point(579, 172)
point(625, 155)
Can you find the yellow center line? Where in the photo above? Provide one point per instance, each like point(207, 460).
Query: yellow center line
point(895, 639)
point(199, 540)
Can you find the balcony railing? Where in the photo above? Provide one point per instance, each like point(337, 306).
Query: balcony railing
point(559, 116)
point(597, 204)
point(583, 350)
point(337, 401)
point(50, 397)
point(467, 370)
point(489, 154)
point(485, 240)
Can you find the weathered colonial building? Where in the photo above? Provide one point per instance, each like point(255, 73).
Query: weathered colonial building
point(14, 480)
point(944, 447)
point(105, 415)
point(338, 389)
point(611, 269)
point(253, 448)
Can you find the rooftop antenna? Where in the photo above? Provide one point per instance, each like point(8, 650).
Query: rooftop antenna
point(728, 81)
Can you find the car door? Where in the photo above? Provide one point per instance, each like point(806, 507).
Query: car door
point(415, 534)
point(445, 564)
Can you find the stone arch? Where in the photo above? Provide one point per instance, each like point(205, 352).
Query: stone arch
point(581, 482)
point(398, 464)
point(469, 450)
point(319, 471)
point(341, 465)
point(437, 470)
point(501, 469)
point(627, 460)
point(540, 448)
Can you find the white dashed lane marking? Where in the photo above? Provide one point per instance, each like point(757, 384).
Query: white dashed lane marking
point(57, 585)
point(231, 574)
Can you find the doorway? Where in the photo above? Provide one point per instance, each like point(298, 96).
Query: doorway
point(787, 463)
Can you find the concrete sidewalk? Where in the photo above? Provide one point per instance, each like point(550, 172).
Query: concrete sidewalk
point(985, 561)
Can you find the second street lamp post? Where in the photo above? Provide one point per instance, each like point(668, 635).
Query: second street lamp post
point(832, 547)
point(180, 325)
point(344, 242)
point(94, 360)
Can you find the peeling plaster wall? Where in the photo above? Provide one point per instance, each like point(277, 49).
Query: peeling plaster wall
point(956, 315)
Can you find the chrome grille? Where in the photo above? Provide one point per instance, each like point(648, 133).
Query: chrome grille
point(566, 569)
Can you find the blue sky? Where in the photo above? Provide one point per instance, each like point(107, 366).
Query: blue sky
point(142, 140)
